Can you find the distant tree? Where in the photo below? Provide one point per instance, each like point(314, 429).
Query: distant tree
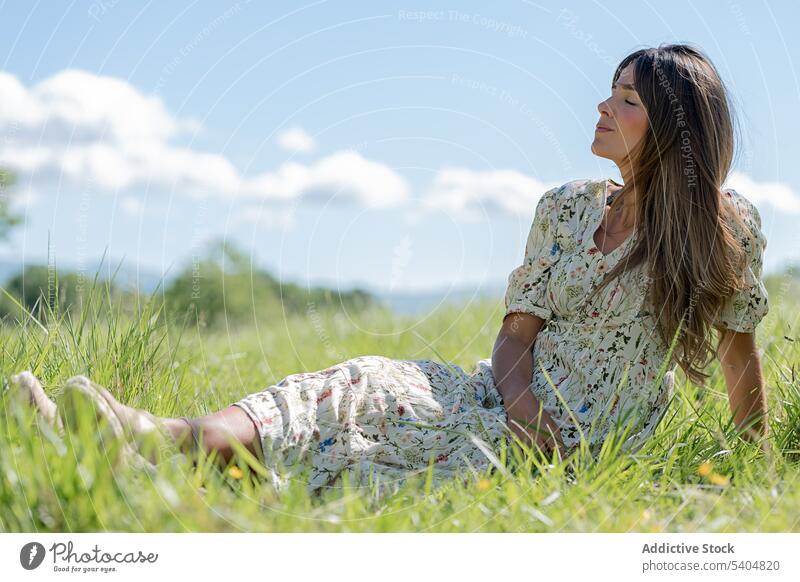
point(7, 219)
point(41, 290)
point(224, 285)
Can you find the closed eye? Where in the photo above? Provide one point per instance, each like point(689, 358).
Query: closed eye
point(629, 103)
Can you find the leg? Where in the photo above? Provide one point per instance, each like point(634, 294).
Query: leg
point(214, 431)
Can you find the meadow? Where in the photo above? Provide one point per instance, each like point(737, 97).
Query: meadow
point(693, 475)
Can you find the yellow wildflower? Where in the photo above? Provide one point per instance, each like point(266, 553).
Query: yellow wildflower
point(718, 479)
point(705, 469)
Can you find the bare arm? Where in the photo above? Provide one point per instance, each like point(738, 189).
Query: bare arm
point(741, 365)
point(512, 366)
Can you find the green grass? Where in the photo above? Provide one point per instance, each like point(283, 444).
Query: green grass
point(51, 484)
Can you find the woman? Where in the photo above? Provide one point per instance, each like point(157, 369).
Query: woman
point(617, 279)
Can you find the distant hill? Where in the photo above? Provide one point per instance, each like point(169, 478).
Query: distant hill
point(128, 277)
point(401, 302)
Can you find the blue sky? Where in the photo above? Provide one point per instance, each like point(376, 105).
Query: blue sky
point(394, 145)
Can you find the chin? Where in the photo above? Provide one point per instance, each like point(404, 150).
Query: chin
point(599, 150)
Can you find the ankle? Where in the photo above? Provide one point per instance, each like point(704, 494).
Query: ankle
point(183, 432)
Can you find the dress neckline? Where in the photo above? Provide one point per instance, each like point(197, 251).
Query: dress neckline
point(598, 219)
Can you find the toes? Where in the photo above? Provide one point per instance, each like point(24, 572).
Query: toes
point(25, 381)
point(79, 379)
point(101, 391)
point(25, 377)
point(28, 386)
point(30, 382)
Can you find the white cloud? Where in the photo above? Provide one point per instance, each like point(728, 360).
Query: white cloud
point(778, 195)
point(89, 132)
point(295, 139)
point(86, 132)
point(75, 106)
point(470, 193)
point(342, 176)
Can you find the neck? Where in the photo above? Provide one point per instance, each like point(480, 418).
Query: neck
point(625, 208)
point(626, 172)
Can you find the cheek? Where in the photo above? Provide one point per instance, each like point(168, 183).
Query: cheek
point(633, 124)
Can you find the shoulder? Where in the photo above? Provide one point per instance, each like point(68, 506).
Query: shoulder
point(575, 192)
point(748, 228)
point(746, 211)
point(582, 186)
point(565, 206)
point(744, 207)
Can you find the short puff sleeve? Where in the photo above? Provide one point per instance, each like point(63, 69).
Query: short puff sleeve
point(527, 283)
point(744, 310)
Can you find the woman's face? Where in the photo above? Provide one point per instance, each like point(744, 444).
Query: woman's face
point(625, 118)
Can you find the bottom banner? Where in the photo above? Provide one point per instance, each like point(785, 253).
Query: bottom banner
point(125, 556)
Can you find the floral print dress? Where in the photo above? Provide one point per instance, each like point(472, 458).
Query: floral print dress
point(381, 418)
point(595, 366)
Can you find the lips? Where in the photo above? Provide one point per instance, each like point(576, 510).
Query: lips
point(602, 128)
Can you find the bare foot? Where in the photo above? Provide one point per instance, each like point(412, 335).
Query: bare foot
point(136, 422)
point(124, 421)
point(143, 425)
point(29, 386)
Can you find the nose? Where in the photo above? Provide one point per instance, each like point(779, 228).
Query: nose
point(603, 107)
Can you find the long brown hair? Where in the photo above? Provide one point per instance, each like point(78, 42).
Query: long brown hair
point(683, 223)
